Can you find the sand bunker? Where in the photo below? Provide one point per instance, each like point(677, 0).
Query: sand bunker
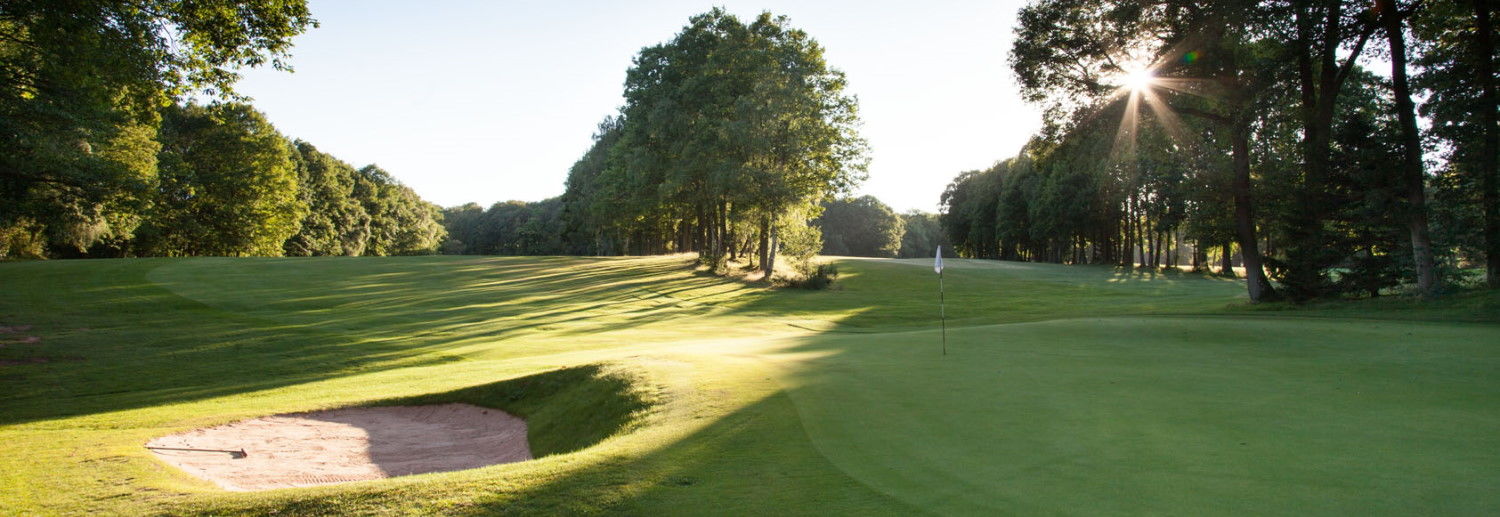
point(342, 445)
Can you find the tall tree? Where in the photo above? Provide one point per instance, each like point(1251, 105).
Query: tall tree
point(1393, 21)
point(1456, 63)
point(336, 223)
point(401, 223)
point(727, 128)
point(859, 226)
point(1314, 36)
point(81, 82)
point(1489, 117)
point(922, 236)
point(227, 185)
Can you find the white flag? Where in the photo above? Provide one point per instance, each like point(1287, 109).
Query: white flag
point(937, 265)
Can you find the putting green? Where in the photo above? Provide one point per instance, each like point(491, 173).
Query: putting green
point(1066, 389)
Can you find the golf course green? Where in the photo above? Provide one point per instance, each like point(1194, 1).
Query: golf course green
point(652, 387)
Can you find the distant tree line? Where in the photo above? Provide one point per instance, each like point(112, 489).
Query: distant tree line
point(866, 227)
point(1259, 137)
point(861, 226)
point(507, 228)
point(103, 157)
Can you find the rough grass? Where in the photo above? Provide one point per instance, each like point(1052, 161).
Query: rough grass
point(653, 389)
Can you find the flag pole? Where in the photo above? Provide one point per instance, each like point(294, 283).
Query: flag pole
point(937, 265)
point(943, 311)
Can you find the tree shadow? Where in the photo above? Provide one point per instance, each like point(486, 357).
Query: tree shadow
point(741, 462)
point(146, 339)
point(178, 330)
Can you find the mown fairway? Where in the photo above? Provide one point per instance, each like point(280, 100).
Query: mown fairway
point(1066, 389)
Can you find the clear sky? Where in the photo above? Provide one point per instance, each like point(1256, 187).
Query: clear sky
point(488, 101)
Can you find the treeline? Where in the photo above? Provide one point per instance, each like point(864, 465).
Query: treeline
point(103, 159)
point(866, 227)
point(506, 228)
point(862, 226)
point(226, 183)
point(1252, 132)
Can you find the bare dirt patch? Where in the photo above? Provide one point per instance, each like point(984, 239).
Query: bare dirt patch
point(342, 445)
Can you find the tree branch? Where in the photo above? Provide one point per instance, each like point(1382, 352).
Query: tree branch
point(1364, 36)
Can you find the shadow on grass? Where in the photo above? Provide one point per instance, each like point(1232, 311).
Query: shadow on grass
point(747, 461)
point(178, 330)
point(565, 410)
point(142, 343)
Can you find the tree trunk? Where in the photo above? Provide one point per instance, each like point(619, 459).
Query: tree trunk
point(753, 246)
point(723, 212)
point(1411, 153)
point(1139, 234)
point(1257, 284)
point(769, 266)
point(1172, 250)
point(1159, 250)
point(1320, 81)
point(765, 243)
point(1166, 249)
point(1151, 245)
point(1226, 262)
point(1489, 153)
point(1175, 259)
point(732, 251)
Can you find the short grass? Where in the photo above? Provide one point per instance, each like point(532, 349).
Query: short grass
point(1065, 389)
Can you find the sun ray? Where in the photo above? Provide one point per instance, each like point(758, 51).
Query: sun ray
point(1164, 115)
point(1125, 136)
point(1184, 85)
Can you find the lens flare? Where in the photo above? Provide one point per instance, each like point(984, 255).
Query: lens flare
point(1139, 80)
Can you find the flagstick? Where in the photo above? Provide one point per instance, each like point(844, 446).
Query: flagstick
point(943, 311)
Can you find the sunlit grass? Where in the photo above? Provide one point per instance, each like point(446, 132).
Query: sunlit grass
point(1066, 389)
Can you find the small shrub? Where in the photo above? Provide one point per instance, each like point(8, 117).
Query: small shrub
point(22, 239)
point(820, 276)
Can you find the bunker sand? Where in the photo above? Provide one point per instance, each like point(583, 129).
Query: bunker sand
point(343, 445)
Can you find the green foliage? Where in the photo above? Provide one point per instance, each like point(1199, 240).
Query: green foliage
point(101, 161)
point(466, 230)
point(22, 239)
point(725, 127)
point(227, 185)
point(507, 228)
point(799, 243)
point(336, 222)
point(860, 227)
point(83, 82)
point(1260, 129)
point(401, 223)
point(924, 233)
point(822, 277)
point(1456, 66)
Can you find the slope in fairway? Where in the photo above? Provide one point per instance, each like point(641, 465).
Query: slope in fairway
point(1067, 389)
